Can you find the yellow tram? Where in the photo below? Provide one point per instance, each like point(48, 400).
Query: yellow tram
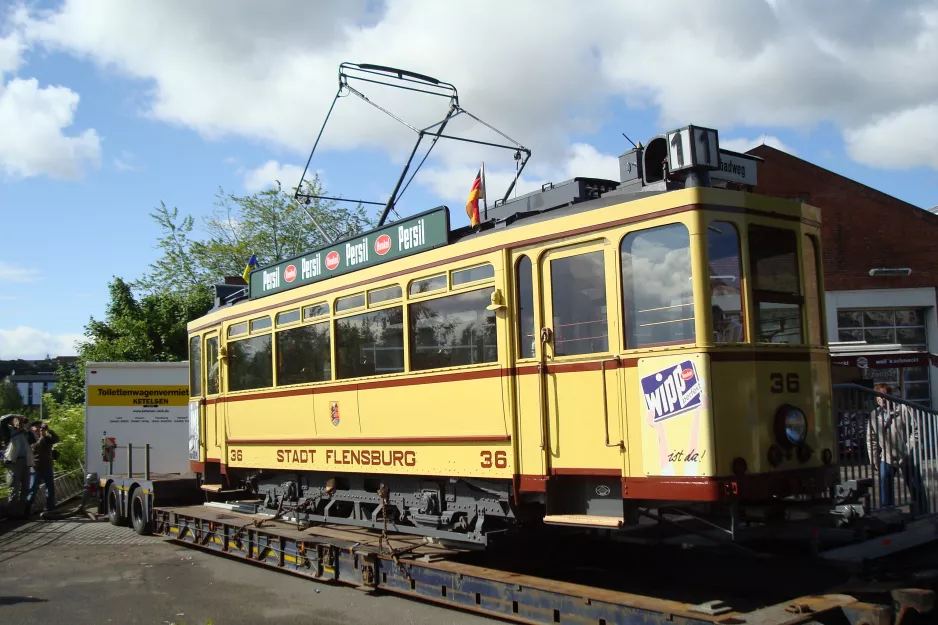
point(590, 349)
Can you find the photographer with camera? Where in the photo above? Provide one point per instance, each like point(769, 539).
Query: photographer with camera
point(43, 453)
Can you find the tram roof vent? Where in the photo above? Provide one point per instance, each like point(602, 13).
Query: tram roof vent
point(549, 196)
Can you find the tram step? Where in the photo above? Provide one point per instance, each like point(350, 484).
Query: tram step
point(216, 488)
point(583, 519)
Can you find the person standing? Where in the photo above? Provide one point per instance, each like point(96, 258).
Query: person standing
point(43, 471)
point(18, 458)
point(892, 438)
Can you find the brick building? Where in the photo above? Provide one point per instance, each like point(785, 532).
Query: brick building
point(880, 274)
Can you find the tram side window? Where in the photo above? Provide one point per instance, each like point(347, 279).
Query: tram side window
point(370, 344)
point(195, 366)
point(657, 287)
point(725, 282)
point(578, 298)
point(773, 254)
point(526, 337)
point(211, 357)
point(250, 363)
point(304, 355)
point(812, 293)
point(452, 331)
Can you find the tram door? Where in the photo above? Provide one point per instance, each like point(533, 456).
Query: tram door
point(214, 434)
point(584, 392)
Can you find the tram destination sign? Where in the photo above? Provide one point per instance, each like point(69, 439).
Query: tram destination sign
point(413, 235)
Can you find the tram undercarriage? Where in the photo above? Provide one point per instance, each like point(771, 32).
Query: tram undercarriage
point(473, 511)
point(460, 509)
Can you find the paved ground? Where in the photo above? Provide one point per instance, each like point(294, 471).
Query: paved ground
point(78, 571)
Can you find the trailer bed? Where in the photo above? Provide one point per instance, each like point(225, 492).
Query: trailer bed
point(592, 583)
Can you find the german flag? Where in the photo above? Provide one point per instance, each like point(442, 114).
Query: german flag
point(475, 194)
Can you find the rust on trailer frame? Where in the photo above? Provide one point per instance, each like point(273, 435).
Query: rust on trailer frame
point(409, 566)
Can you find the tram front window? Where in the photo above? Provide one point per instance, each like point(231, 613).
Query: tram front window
point(773, 254)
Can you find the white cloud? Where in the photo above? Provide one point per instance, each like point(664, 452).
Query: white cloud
point(744, 145)
point(240, 68)
point(32, 124)
point(15, 273)
point(11, 51)
point(125, 162)
point(882, 143)
point(28, 343)
point(267, 174)
point(33, 120)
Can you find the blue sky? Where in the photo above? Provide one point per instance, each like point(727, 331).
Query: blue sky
point(136, 103)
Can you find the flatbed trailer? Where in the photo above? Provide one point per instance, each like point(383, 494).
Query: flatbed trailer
point(420, 568)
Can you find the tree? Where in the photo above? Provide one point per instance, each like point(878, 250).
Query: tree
point(152, 329)
point(10, 400)
point(268, 223)
point(68, 421)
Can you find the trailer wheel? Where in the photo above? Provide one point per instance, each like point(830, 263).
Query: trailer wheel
point(114, 513)
point(140, 513)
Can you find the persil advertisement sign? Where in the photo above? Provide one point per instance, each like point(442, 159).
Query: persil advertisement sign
point(672, 391)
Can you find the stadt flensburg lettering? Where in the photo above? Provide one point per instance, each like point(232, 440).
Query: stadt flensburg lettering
point(364, 457)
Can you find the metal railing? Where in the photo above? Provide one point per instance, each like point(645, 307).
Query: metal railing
point(130, 460)
point(891, 444)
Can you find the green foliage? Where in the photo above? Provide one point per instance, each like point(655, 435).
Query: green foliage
point(70, 389)
point(68, 421)
point(268, 223)
point(150, 329)
point(10, 400)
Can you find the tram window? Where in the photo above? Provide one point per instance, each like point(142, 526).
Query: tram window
point(578, 297)
point(657, 288)
point(211, 357)
point(291, 316)
point(473, 274)
point(261, 323)
point(812, 293)
point(237, 329)
point(370, 344)
point(427, 285)
point(350, 302)
point(452, 331)
point(304, 354)
point(725, 282)
point(195, 366)
point(526, 338)
point(384, 295)
point(773, 255)
point(250, 363)
point(316, 310)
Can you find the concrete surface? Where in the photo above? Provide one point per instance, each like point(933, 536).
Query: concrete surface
point(78, 571)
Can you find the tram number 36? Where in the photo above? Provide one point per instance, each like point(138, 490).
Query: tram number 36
point(784, 383)
point(236, 455)
point(499, 460)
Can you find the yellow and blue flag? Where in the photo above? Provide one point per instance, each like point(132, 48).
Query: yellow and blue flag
point(252, 264)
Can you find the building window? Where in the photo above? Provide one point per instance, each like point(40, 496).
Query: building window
point(899, 326)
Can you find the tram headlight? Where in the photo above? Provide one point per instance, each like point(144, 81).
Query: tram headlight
point(791, 426)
